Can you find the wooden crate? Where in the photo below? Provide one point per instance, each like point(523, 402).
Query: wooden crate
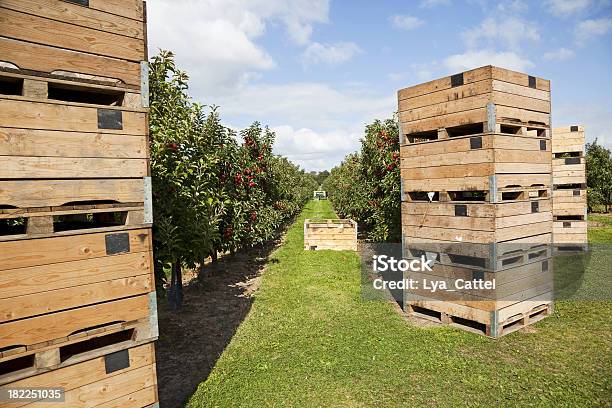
point(124, 378)
point(476, 222)
point(486, 99)
point(492, 323)
point(498, 166)
point(330, 234)
point(570, 194)
point(98, 40)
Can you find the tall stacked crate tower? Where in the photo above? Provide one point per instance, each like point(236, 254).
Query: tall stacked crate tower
point(570, 193)
point(476, 197)
point(77, 294)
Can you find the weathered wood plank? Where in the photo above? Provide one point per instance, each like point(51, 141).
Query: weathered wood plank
point(20, 307)
point(49, 59)
point(43, 251)
point(82, 16)
point(44, 31)
point(49, 143)
point(41, 193)
point(19, 167)
point(56, 325)
point(22, 114)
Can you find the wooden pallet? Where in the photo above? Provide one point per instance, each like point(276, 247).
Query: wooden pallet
point(331, 234)
point(104, 40)
point(16, 364)
point(495, 323)
point(124, 378)
point(486, 99)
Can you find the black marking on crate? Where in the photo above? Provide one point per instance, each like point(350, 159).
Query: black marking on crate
point(461, 210)
point(567, 224)
point(573, 128)
point(535, 206)
point(116, 361)
point(457, 80)
point(572, 160)
point(110, 119)
point(478, 275)
point(532, 81)
point(476, 142)
point(80, 2)
point(576, 192)
point(117, 243)
point(545, 266)
point(542, 144)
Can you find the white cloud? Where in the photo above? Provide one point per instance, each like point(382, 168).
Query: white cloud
point(308, 104)
point(434, 3)
point(330, 54)
point(475, 59)
point(314, 150)
point(406, 22)
point(215, 40)
point(564, 8)
point(506, 31)
point(559, 55)
point(514, 6)
point(592, 28)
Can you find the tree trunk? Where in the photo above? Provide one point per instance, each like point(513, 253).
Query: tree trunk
point(175, 292)
point(213, 256)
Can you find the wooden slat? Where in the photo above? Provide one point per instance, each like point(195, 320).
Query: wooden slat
point(43, 251)
point(446, 95)
point(471, 76)
point(60, 167)
point(139, 399)
point(518, 78)
point(31, 142)
point(510, 88)
point(49, 59)
point(450, 120)
point(128, 8)
point(39, 30)
point(20, 114)
point(82, 16)
point(20, 307)
point(42, 193)
point(57, 325)
point(52, 277)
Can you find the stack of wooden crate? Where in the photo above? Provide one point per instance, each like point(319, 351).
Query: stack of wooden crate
point(569, 194)
point(476, 196)
point(77, 293)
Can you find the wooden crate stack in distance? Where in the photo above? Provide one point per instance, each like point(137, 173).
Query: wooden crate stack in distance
point(476, 196)
point(77, 291)
point(569, 191)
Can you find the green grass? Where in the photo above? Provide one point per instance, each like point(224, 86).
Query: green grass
point(311, 341)
point(603, 233)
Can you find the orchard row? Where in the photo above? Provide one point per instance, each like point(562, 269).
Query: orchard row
point(366, 185)
point(213, 190)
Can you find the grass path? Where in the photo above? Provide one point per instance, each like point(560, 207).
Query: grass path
point(310, 340)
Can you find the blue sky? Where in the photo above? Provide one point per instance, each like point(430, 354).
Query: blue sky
point(316, 71)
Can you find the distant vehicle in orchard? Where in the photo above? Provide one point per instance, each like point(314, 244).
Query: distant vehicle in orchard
point(320, 195)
